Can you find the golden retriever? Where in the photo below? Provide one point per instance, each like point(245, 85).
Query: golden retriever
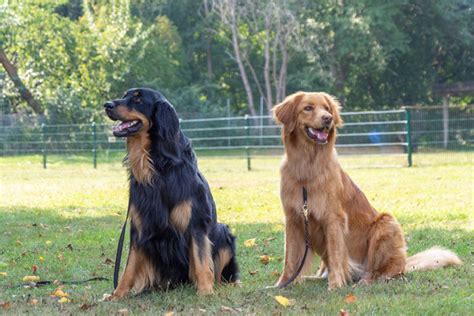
point(353, 240)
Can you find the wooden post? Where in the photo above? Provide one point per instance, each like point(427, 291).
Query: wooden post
point(445, 120)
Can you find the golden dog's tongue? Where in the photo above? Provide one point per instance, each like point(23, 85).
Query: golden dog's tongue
point(319, 135)
point(322, 136)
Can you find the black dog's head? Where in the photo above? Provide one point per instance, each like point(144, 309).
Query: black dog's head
point(143, 110)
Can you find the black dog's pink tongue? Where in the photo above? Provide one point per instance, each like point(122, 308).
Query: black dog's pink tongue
point(123, 125)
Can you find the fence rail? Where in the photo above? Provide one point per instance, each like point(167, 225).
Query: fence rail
point(403, 132)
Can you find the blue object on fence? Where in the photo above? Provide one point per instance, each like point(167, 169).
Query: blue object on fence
point(375, 137)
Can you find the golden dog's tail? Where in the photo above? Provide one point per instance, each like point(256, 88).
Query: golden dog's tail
point(430, 259)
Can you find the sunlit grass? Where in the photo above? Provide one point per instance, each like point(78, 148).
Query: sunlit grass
point(70, 215)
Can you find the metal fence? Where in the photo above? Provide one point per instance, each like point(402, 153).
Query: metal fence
point(396, 132)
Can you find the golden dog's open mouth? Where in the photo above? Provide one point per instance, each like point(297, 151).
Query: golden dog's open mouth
point(127, 128)
point(319, 135)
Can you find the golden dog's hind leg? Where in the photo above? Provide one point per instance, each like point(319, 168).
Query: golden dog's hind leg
point(294, 251)
point(387, 250)
point(201, 265)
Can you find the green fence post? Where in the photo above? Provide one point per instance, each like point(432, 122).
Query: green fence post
point(94, 144)
point(43, 142)
point(247, 148)
point(408, 130)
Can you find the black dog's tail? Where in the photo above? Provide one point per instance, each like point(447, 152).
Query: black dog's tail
point(224, 243)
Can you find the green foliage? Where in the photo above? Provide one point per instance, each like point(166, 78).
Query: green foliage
point(75, 54)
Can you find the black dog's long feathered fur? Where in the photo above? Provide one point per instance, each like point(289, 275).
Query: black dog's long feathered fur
point(175, 178)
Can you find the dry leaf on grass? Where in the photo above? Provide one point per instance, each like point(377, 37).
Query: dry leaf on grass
point(284, 301)
point(59, 293)
point(41, 259)
point(250, 242)
point(275, 273)
point(33, 301)
point(5, 305)
point(264, 259)
point(3, 274)
point(343, 312)
point(85, 306)
point(170, 313)
point(64, 300)
point(253, 272)
point(108, 261)
point(31, 278)
point(350, 298)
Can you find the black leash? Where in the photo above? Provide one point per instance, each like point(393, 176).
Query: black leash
point(118, 256)
point(306, 240)
point(58, 282)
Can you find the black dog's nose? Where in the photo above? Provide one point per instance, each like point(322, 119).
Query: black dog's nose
point(327, 119)
point(109, 105)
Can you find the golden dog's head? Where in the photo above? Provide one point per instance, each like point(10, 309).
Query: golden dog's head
point(314, 115)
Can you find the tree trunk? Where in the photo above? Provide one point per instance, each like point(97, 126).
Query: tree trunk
point(24, 92)
point(208, 41)
point(238, 58)
point(266, 70)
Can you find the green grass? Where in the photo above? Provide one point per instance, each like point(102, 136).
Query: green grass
point(70, 215)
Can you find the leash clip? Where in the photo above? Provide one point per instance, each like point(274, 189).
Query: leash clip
point(305, 210)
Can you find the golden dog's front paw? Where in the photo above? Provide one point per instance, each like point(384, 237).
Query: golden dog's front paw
point(110, 297)
point(205, 291)
point(336, 282)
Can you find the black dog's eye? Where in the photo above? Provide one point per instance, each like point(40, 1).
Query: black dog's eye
point(308, 108)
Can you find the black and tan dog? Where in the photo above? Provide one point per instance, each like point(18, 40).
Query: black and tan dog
point(175, 237)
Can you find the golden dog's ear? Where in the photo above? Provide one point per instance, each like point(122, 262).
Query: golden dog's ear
point(285, 112)
point(335, 109)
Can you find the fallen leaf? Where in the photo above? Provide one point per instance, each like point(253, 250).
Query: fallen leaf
point(284, 301)
point(275, 273)
point(170, 313)
point(85, 306)
point(228, 309)
point(33, 301)
point(123, 311)
point(108, 261)
point(264, 259)
point(343, 312)
point(48, 242)
point(3, 274)
point(106, 296)
point(34, 268)
point(64, 300)
point(253, 272)
point(350, 298)
point(41, 258)
point(250, 242)
point(6, 305)
point(19, 243)
point(31, 278)
point(59, 293)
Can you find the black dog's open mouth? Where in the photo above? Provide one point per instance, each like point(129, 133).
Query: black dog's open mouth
point(319, 135)
point(127, 128)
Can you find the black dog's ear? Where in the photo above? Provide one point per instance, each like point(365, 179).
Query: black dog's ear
point(166, 120)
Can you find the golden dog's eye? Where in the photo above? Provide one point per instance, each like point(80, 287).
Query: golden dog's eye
point(308, 108)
